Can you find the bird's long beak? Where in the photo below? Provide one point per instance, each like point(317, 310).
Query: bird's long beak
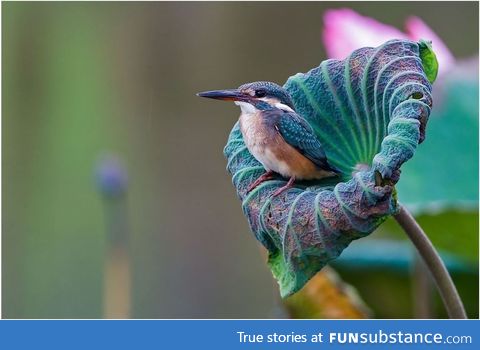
point(225, 95)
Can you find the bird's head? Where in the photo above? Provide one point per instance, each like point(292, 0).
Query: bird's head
point(257, 96)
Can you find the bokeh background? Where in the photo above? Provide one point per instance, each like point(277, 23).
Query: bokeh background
point(84, 83)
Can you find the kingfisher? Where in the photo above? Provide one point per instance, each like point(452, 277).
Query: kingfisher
point(280, 139)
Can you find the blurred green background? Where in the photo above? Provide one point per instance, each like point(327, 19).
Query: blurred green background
point(84, 79)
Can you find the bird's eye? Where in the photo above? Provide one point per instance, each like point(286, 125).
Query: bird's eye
point(260, 93)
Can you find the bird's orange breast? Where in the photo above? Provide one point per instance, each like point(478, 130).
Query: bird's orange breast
point(269, 148)
point(292, 163)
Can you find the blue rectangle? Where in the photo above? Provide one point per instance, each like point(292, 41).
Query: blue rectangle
point(226, 334)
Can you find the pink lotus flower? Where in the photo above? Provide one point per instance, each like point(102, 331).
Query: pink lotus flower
point(345, 30)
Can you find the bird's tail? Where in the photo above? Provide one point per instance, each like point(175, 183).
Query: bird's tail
point(333, 169)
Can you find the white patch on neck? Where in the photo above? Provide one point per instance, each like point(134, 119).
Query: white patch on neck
point(277, 104)
point(246, 107)
point(283, 107)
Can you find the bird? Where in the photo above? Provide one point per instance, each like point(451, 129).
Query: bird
point(279, 138)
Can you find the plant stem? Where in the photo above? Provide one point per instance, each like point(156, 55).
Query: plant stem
point(437, 268)
point(422, 288)
point(117, 274)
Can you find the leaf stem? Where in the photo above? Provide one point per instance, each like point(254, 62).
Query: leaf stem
point(437, 268)
point(422, 288)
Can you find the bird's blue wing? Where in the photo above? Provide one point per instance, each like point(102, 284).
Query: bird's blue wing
point(298, 133)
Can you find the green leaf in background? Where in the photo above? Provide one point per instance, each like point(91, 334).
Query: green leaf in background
point(440, 184)
point(380, 270)
point(369, 111)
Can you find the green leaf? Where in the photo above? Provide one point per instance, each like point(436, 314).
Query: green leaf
point(452, 231)
point(380, 270)
point(369, 111)
point(429, 60)
point(440, 184)
point(394, 255)
point(447, 163)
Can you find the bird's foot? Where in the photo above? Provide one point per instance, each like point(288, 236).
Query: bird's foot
point(284, 188)
point(265, 177)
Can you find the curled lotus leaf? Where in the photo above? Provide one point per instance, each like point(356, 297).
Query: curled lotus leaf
point(370, 112)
